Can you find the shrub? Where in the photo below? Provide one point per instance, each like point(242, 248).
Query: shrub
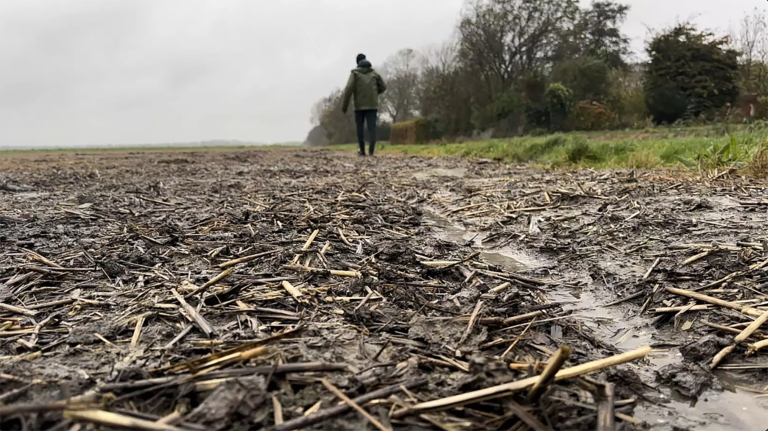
point(690, 73)
point(552, 112)
point(588, 115)
point(558, 99)
point(626, 98)
point(761, 110)
point(537, 119)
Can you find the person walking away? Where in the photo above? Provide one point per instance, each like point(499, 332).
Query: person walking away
point(365, 84)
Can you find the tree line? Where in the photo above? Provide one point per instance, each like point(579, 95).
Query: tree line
point(540, 66)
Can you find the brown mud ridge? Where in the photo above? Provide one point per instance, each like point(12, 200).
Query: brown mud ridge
point(303, 289)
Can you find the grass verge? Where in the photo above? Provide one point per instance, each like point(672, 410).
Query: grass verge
point(627, 150)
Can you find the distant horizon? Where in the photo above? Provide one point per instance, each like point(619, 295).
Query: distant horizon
point(203, 143)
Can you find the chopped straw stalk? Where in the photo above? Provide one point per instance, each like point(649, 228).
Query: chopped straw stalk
point(508, 388)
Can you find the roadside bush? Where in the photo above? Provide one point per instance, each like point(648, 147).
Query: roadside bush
point(690, 73)
point(588, 115)
point(552, 112)
point(558, 99)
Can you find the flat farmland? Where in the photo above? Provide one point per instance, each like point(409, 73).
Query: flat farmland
point(297, 289)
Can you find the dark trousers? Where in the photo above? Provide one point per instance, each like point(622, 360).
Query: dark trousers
point(366, 116)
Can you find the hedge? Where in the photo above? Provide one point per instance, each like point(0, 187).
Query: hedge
point(417, 131)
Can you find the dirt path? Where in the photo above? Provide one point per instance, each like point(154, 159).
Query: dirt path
point(121, 291)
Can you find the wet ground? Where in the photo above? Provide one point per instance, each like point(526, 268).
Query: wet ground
point(110, 265)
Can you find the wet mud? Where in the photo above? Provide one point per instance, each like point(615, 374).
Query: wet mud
point(246, 290)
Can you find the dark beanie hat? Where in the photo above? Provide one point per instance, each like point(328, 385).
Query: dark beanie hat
point(360, 57)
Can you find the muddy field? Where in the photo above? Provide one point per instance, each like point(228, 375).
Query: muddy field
point(315, 290)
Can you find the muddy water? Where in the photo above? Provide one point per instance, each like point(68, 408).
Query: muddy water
point(456, 233)
point(622, 327)
point(723, 411)
point(440, 172)
point(613, 325)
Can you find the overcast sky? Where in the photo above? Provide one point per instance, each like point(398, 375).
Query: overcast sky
point(84, 72)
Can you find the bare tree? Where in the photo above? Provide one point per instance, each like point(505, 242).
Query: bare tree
point(316, 114)
point(339, 127)
point(752, 42)
point(401, 72)
point(501, 40)
point(438, 79)
point(441, 58)
point(751, 35)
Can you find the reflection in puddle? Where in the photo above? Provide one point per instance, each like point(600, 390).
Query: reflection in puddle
point(30, 195)
point(622, 327)
point(501, 260)
point(457, 234)
point(715, 411)
point(448, 231)
point(611, 324)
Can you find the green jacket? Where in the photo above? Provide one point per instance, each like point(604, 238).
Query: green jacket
point(366, 85)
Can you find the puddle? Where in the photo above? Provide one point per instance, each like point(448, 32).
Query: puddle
point(448, 231)
point(715, 411)
point(30, 195)
point(503, 260)
point(614, 325)
point(440, 172)
point(621, 326)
